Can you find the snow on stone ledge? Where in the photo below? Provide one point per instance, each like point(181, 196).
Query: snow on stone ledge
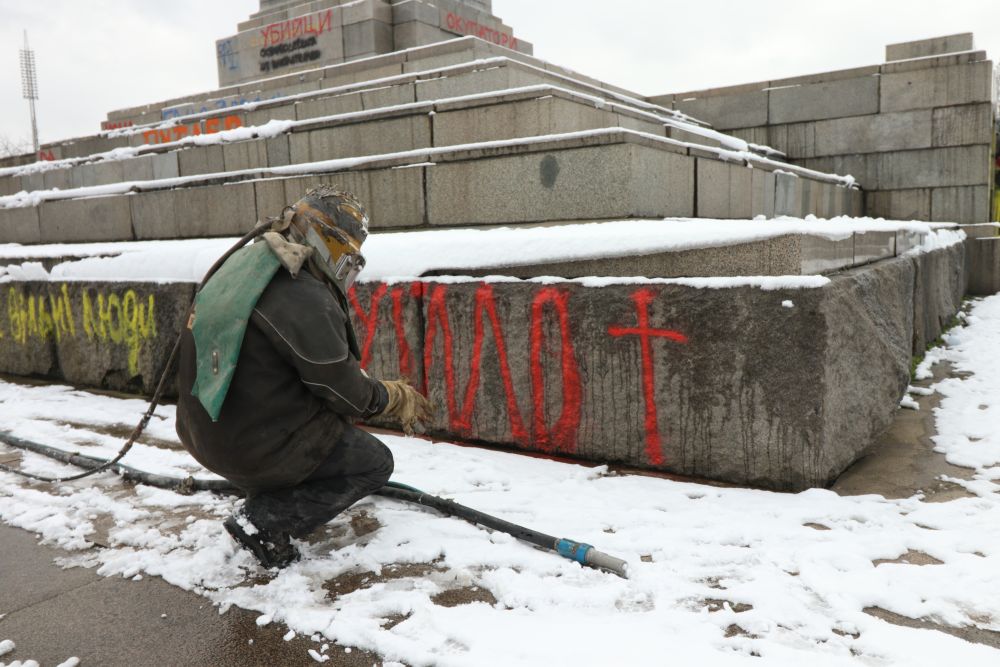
point(404, 256)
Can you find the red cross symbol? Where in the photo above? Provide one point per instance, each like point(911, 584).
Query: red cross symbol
point(646, 334)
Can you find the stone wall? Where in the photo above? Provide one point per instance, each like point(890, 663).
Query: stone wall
point(780, 388)
point(917, 131)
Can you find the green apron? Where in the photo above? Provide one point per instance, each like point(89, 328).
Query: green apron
point(222, 312)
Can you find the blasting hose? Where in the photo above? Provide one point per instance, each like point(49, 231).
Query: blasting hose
point(584, 554)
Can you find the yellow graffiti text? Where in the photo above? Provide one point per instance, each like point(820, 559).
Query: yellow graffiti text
point(107, 318)
point(122, 319)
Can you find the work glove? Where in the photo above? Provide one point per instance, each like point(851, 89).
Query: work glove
point(407, 406)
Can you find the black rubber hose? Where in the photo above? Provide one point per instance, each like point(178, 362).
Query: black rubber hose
point(451, 508)
point(94, 465)
point(584, 554)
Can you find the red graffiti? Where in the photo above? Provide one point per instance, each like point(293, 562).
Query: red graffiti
point(549, 325)
point(437, 316)
point(46, 155)
point(178, 132)
point(313, 24)
point(643, 298)
point(370, 321)
point(464, 26)
point(115, 124)
point(405, 356)
point(563, 436)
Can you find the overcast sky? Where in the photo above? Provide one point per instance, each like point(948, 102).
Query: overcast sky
point(99, 55)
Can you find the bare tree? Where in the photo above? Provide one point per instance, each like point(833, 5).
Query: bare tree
point(9, 146)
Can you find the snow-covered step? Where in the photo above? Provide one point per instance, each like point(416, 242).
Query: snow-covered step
point(459, 51)
point(425, 85)
point(507, 114)
point(611, 173)
point(437, 82)
point(393, 64)
point(662, 249)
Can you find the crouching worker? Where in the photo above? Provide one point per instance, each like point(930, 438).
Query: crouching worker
point(269, 379)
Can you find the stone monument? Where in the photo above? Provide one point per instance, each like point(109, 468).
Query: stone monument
point(286, 36)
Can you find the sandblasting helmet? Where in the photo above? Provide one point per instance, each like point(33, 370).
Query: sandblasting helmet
point(334, 224)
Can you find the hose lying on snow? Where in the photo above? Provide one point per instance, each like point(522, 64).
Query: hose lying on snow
point(584, 554)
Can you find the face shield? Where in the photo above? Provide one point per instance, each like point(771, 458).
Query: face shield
point(334, 224)
point(338, 256)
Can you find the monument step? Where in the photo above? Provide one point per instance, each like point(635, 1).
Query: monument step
point(461, 50)
point(452, 52)
point(439, 82)
point(510, 114)
point(602, 174)
point(656, 248)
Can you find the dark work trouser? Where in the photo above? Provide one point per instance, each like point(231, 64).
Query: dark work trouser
point(358, 466)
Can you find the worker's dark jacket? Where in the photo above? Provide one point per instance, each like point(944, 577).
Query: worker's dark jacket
point(297, 379)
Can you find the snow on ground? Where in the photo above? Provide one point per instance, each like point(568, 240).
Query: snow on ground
point(390, 256)
point(720, 576)
point(7, 646)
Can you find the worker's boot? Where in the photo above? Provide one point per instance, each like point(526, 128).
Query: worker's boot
point(270, 549)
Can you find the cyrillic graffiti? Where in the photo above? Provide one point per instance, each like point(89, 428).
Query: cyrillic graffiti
point(115, 124)
point(189, 109)
point(312, 24)
point(227, 54)
point(178, 132)
point(37, 317)
point(549, 312)
point(562, 437)
point(369, 322)
point(123, 320)
point(437, 317)
point(463, 26)
point(298, 54)
point(116, 318)
point(288, 47)
point(643, 298)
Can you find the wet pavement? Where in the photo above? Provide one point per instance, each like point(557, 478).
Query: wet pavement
point(52, 614)
point(903, 462)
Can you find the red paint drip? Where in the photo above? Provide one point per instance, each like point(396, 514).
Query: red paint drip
point(643, 298)
point(563, 437)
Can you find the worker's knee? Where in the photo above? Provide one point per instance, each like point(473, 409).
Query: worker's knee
point(385, 466)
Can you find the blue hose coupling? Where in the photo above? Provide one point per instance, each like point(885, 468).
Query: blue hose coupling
point(585, 554)
point(573, 550)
